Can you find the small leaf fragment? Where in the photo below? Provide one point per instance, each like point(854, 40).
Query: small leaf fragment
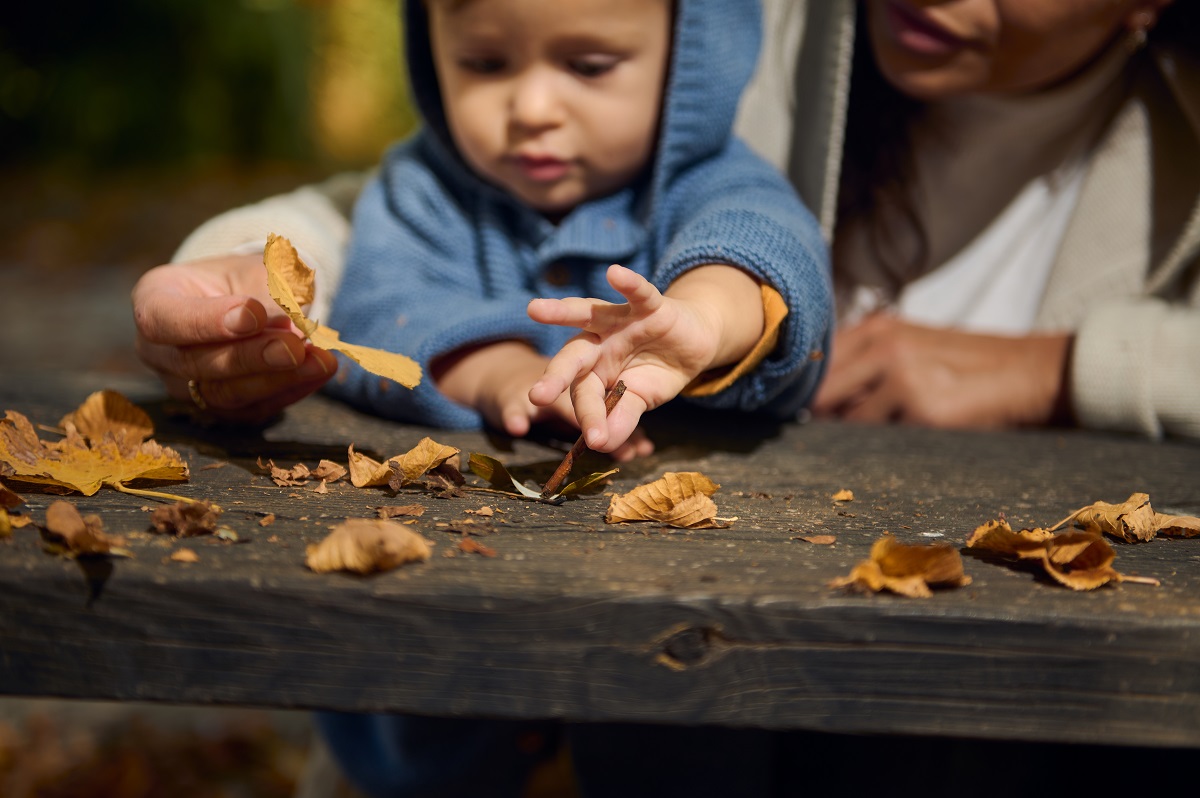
point(328, 471)
point(395, 511)
point(8, 499)
point(470, 545)
point(186, 519)
point(817, 540)
point(843, 495)
point(77, 535)
point(185, 555)
point(367, 545)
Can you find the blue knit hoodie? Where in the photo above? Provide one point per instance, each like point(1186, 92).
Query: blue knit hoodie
point(439, 259)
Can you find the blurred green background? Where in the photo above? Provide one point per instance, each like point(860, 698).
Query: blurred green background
point(115, 115)
point(94, 86)
point(125, 125)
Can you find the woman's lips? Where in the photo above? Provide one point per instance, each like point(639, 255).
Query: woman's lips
point(914, 31)
point(541, 168)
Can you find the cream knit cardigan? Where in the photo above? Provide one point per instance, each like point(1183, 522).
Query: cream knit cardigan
point(1126, 279)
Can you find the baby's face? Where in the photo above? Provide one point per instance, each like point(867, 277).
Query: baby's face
point(932, 49)
point(555, 102)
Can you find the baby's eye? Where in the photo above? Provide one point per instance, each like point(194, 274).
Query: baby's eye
point(482, 65)
point(592, 66)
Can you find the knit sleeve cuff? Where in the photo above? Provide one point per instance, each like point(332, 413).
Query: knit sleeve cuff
point(714, 381)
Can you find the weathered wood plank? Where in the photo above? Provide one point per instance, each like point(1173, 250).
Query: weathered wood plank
point(581, 620)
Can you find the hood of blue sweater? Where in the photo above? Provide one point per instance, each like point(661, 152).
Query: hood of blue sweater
point(715, 47)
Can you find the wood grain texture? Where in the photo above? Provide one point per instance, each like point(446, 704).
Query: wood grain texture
point(580, 620)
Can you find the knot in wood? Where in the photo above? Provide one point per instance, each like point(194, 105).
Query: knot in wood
point(688, 647)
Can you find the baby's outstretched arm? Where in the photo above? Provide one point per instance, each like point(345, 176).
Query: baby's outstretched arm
point(711, 316)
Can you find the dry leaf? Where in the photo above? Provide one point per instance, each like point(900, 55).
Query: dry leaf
point(1133, 520)
point(819, 540)
point(83, 463)
point(5, 525)
point(185, 555)
point(1079, 560)
point(110, 413)
point(473, 546)
point(484, 511)
point(426, 456)
point(8, 499)
point(267, 519)
point(290, 282)
point(285, 477)
point(366, 472)
point(366, 545)
point(679, 499)
point(998, 537)
point(400, 510)
point(328, 471)
point(1178, 526)
point(186, 519)
point(843, 495)
point(905, 569)
point(76, 535)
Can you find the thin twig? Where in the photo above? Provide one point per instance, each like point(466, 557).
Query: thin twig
point(564, 468)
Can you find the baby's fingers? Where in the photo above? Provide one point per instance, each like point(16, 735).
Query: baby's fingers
point(593, 315)
point(577, 357)
point(641, 294)
point(604, 431)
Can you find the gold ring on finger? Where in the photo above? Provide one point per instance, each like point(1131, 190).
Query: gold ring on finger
point(197, 397)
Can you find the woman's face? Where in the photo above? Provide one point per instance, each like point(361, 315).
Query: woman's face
point(932, 49)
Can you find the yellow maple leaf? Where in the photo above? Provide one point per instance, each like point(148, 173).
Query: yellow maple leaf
point(290, 282)
point(83, 463)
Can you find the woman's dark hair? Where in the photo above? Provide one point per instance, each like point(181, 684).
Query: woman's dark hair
point(876, 163)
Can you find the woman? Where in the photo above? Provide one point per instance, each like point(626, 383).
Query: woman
point(1010, 186)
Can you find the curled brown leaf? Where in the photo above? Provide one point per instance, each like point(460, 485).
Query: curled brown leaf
point(679, 498)
point(366, 545)
point(906, 569)
point(77, 535)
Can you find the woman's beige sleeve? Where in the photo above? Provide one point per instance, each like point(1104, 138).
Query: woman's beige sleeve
point(315, 218)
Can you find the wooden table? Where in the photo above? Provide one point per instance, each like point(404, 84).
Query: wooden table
point(580, 620)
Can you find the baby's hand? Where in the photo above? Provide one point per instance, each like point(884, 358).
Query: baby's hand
point(495, 380)
point(656, 344)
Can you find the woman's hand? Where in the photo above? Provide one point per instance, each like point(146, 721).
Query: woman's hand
point(885, 369)
point(212, 323)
